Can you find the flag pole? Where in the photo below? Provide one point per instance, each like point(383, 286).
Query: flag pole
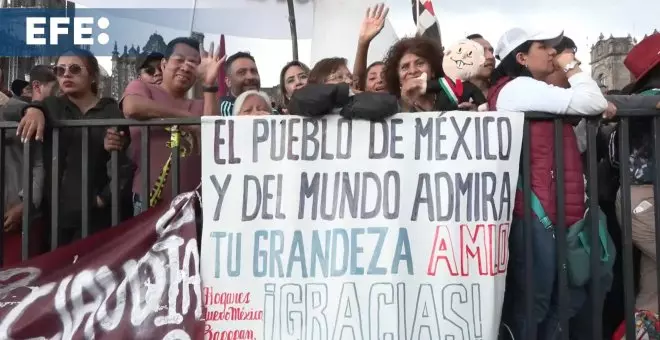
point(417, 16)
point(292, 25)
point(192, 17)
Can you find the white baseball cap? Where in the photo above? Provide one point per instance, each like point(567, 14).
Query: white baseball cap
point(515, 37)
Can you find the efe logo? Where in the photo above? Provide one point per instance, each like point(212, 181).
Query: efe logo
point(35, 30)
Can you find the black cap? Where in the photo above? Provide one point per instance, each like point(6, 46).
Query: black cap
point(144, 59)
point(42, 73)
point(18, 85)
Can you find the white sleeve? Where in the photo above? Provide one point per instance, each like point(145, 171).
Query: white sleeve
point(587, 98)
point(528, 94)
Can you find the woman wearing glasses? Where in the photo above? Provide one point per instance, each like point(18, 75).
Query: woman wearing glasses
point(331, 71)
point(77, 73)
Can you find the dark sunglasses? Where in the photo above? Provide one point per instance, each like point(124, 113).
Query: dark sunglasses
point(150, 70)
point(74, 69)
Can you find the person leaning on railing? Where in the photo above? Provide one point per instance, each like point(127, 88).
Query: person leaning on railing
point(14, 195)
point(43, 83)
point(293, 76)
point(183, 64)
point(527, 59)
point(643, 62)
point(77, 72)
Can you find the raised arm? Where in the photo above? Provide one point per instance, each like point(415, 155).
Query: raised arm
point(207, 71)
point(373, 23)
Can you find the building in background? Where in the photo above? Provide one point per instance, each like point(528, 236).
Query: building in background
point(123, 64)
point(19, 67)
point(607, 56)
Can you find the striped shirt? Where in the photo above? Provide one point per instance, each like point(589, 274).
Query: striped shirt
point(227, 106)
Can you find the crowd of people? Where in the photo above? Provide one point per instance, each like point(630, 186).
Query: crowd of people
point(537, 71)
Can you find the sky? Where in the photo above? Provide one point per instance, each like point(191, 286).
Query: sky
point(583, 21)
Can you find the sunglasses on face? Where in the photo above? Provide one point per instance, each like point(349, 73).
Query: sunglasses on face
point(151, 70)
point(74, 69)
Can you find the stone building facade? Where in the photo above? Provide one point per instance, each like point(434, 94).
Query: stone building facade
point(123, 65)
point(19, 67)
point(607, 56)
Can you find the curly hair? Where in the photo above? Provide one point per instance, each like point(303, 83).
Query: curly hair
point(419, 46)
point(324, 68)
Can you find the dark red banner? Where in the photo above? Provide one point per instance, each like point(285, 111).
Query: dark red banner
point(139, 280)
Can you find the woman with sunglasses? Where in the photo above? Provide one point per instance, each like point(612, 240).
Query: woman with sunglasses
point(149, 69)
point(77, 73)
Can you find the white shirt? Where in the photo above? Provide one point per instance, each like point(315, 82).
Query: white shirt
point(528, 94)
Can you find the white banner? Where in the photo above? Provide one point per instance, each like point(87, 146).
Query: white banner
point(328, 229)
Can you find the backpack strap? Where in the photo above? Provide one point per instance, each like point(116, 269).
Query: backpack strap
point(537, 208)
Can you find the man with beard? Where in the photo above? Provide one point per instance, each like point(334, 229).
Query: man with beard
point(242, 75)
point(482, 79)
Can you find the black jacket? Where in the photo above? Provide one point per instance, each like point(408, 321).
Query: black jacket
point(70, 164)
point(315, 100)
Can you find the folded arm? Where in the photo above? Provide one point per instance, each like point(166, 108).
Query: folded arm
point(138, 103)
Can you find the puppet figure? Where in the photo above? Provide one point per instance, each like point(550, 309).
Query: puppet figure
point(463, 59)
point(461, 62)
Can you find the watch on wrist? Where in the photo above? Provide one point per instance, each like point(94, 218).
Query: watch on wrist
point(573, 64)
point(210, 89)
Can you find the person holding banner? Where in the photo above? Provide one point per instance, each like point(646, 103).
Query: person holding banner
point(527, 59)
point(412, 69)
point(294, 76)
point(252, 103)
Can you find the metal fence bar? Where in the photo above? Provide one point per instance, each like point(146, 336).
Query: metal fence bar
point(145, 167)
point(656, 193)
point(597, 293)
point(55, 189)
point(560, 227)
point(626, 227)
point(527, 232)
point(27, 199)
point(114, 186)
point(85, 183)
point(2, 196)
point(176, 166)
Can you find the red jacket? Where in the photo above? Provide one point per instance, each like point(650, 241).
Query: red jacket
point(544, 183)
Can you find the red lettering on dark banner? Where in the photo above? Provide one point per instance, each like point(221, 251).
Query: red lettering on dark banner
point(139, 280)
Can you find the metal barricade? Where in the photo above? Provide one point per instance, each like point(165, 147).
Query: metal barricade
point(595, 289)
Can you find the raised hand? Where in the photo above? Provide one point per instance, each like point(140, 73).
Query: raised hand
point(373, 23)
point(210, 65)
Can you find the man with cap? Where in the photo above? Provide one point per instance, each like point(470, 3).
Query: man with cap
point(21, 89)
point(148, 67)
